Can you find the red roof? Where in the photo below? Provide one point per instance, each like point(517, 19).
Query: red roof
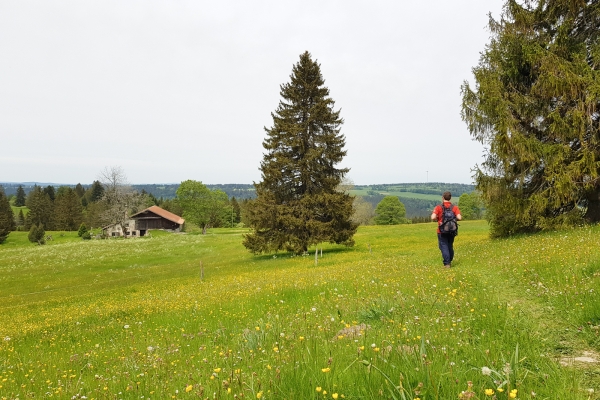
point(163, 213)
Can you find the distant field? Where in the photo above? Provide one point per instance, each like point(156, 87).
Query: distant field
point(189, 316)
point(17, 209)
point(411, 195)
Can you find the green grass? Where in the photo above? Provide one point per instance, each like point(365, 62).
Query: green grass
point(131, 318)
point(17, 209)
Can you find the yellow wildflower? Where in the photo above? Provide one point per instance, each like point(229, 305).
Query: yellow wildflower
point(489, 392)
point(188, 388)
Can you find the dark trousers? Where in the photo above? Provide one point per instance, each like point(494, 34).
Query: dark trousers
point(446, 243)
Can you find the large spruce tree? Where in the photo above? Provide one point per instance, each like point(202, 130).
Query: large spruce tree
point(297, 204)
point(535, 106)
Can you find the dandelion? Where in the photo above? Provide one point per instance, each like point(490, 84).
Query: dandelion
point(217, 370)
point(276, 349)
point(301, 338)
point(319, 388)
point(489, 392)
point(188, 388)
point(334, 396)
point(486, 371)
point(259, 394)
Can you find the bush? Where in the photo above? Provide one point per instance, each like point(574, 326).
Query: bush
point(86, 236)
point(37, 234)
point(82, 230)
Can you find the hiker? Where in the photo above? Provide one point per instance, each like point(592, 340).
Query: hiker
point(446, 215)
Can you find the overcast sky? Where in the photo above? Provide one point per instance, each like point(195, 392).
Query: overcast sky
point(176, 90)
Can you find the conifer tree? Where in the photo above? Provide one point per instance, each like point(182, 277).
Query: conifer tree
point(536, 107)
point(79, 190)
point(37, 234)
point(236, 210)
point(20, 198)
point(68, 212)
point(96, 191)
point(41, 209)
point(21, 218)
point(7, 217)
point(297, 204)
point(49, 190)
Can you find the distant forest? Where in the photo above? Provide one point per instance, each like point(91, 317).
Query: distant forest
point(415, 207)
point(164, 191)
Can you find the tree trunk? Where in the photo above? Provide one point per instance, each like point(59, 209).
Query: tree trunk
point(204, 227)
point(592, 214)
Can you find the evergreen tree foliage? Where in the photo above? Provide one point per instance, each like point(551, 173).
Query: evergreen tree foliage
point(535, 106)
point(20, 197)
point(297, 204)
point(390, 211)
point(79, 190)
point(93, 214)
point(7, 217)
point(236, 210)
point(41, 209)
point(172, 205)
point(37, 234)
point(96, 191)
point(201, 206)
point(68, 212)
point(20, 219)
point(51, 192)
point(82, 229)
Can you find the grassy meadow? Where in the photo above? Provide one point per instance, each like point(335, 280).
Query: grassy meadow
point(177, 316)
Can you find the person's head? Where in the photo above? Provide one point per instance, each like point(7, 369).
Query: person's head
point(447, 196)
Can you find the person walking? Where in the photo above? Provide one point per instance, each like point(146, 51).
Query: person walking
point(446, 215)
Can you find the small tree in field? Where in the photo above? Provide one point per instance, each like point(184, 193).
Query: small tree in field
point(82, 230)
point(390, 211)
point(297, 203)
point(37, 234)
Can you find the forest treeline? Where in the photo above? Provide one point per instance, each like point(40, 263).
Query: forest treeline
point(164, 191)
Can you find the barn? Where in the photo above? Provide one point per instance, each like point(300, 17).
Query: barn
point(151, 218)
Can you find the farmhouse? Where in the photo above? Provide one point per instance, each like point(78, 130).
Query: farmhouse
point(151, 218)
